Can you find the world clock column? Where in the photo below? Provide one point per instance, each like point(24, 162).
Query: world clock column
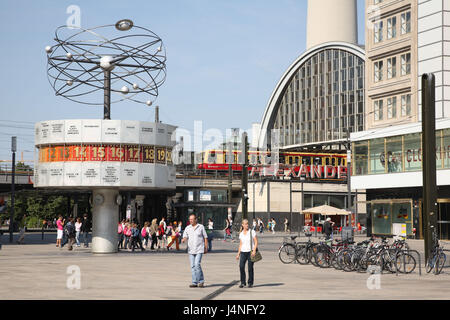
point(105, 214)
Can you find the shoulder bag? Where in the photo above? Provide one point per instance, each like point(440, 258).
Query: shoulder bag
point(257, 255)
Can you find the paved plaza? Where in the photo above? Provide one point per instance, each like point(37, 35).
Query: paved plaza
point(38, 270)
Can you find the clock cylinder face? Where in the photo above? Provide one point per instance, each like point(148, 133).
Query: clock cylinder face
point(98, 199)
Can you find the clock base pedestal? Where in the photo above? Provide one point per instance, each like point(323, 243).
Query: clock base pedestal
point(105, 216)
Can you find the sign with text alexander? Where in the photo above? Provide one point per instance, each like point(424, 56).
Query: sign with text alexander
point(303, 171)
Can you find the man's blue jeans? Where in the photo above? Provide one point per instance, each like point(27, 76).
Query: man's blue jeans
point(86, 238)
point(196, 268)
point(210, 238)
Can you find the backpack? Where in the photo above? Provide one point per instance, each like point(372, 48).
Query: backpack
point(144, 232)
point(70, 229)
point(135, 232)
point(120, 230)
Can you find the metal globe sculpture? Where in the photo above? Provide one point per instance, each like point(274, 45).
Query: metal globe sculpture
point(87, 65)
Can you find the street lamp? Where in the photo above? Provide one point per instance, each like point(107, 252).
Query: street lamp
point(13, 181)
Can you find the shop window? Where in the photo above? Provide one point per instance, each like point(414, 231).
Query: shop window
point(377, 156)
point(394, 154)
point(401, 213)
point(446, 148)
point(360, 156)
point(413, 152)
point(381, 218)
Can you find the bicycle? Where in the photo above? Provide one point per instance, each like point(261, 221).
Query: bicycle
point(438, 257)
point(305, 252)
point(288, 251)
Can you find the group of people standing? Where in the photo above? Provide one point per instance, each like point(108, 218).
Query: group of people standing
point(152, 235)
point(70, 230)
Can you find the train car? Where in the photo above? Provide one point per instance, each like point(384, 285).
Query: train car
point(216, 159)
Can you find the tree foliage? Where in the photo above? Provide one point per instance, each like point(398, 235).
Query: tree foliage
point(38, 206)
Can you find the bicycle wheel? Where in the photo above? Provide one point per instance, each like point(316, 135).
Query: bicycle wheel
point(312, 255)
point(346, 260)
point(287, 253)
point(302, 255)
point(335, 260)
point(405, 262)
point(440, 262)
point(430, 264)
point(322, 258)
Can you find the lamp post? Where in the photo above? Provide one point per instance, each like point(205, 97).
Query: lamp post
point(429, 163)
point(245, 176)
point(13, 182)
point(349, 187)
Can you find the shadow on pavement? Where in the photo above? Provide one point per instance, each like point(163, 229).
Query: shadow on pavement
point(268, 285)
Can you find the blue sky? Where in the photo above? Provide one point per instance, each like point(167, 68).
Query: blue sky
point(224, 57)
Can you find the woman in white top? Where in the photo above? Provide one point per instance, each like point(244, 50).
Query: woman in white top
point(78, 225)
point(247, 249)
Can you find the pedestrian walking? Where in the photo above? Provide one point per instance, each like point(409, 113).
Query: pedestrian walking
point(85, 229)
point(162, 239)
point(254, 224)
point(153, 233)
point(174, 236)
point(273, 224)
point(78, 225)
point(23, 227)
point(70, 233)
point(328, 229)
point(145, 234)
point(261, 225)
point(135, 237)
point(197, 246)
point(210, 233)
point(227, 230)
point(59, 231)
point(120, 235)
point(247, 249)
point(286, 225)
point(127, 234)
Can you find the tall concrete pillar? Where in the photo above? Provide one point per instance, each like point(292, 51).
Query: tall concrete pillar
point(331, 20)
point(105, 215)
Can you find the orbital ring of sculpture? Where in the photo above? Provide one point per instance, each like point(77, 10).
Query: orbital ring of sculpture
point(127, 60)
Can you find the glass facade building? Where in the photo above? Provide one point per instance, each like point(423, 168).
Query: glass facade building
point(320, 96)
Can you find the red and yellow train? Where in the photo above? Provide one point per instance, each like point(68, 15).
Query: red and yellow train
point(216, 159)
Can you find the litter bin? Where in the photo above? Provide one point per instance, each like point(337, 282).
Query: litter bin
point(347, 234)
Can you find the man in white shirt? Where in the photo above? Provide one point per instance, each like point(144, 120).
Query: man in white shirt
point(197, 246)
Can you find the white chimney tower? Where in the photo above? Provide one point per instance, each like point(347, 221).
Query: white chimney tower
point(331, 20)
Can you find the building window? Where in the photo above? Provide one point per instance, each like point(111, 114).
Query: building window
point(406, 64)
point(378, 110)
point(378, 71)
point(392, 107)
point(406, 105)
point(391, 67)
point(391, 27)
point(406, 22)
point(377, 1)
point(378, 32)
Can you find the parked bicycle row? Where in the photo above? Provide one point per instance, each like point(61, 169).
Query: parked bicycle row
point(372, 255)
